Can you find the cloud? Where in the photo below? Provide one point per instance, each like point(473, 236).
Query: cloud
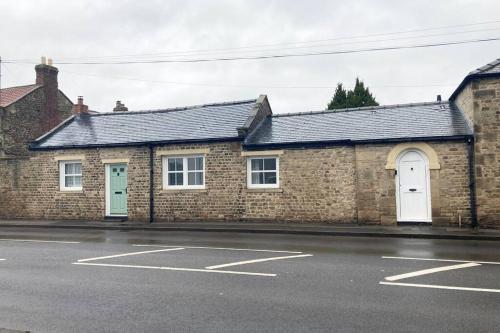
point(83, 29)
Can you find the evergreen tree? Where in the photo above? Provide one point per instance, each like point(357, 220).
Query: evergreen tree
point(339, 99)
point(358, 97)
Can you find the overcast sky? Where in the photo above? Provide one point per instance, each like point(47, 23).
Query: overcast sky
point(76, 31)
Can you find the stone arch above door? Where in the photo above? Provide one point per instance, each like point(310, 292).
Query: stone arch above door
point(423, 147)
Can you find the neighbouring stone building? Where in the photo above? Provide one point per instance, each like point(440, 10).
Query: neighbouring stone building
point(236, 161)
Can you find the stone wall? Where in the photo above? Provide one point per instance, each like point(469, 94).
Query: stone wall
point(343, 184)
point(376, 192)
point(465, 102)
point(32, 190)
point(486, 95)
point(222, 198)
point(22, 122)
point(315, 185)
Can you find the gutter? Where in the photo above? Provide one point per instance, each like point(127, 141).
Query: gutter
point(325, 144)
point(472, 182)
point(33, 145)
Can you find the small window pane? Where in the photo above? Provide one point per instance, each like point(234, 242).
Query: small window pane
point(171, 179)
point(171, 164)
point(175, 164)
point(270, 164)
point(115, 169)
point(175, 179)
point(122, 169)
point(77, 168)
point(179, 178)
point(199, 163)
point(195, 163)
point(257, 178)
point(77, 181)
point(68, 181)
point(257, 164)
point(269, 177)
point(195, 178)
point(179, 164)
point(68, 168)
point(191, 163)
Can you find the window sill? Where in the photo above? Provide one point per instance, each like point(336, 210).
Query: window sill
point(184, 190)
point(270, 190)
point(71, 191)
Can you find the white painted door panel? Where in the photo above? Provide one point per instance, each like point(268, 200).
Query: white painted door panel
point(413, 192)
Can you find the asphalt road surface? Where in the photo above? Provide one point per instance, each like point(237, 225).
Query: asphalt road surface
point(110, 281)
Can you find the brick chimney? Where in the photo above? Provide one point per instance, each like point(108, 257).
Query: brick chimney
point(80, 108)
point(46, 76)
point(120, 107)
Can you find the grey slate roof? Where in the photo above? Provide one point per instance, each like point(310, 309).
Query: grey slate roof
point(491, 68)
point(195, 123)
point(393, 122)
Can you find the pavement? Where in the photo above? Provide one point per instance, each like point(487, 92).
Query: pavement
point(351, 230)
point(97, 280)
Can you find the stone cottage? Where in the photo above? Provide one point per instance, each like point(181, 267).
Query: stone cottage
point(27, 112)
point(424, 162)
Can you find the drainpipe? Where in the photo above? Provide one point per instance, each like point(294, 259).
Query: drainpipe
point(472, 181)
point(151, 185)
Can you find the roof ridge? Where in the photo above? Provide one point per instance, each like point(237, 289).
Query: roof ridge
point(363, 108)
point(174, 109)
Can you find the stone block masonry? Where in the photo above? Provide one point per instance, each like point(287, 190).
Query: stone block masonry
point(486, 108)
point(342, 184)
point(376, 192)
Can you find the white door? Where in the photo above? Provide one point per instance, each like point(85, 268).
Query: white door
point(413, 188)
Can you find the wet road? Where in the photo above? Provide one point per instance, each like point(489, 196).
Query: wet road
point(109, 281)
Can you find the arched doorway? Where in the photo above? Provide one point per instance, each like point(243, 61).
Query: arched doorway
point(413, 196)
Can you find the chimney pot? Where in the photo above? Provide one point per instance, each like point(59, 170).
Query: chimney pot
point(49, 62)
point(43, 61)
point(80, 108)
point(439, 98)
point(120, 107)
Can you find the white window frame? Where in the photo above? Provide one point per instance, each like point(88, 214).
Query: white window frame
point(185, 173)
point(249, 172)
point(62, 176)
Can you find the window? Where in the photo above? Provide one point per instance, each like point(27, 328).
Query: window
point(184, 172)
point(70, 175)
point(263, 172)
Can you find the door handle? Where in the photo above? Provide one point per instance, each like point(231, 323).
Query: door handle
point(126, 190)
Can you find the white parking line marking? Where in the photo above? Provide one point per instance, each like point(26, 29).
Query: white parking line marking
point(176, 269)
point(220, 248)
point(438, 287)
point(36, 241)
point(444, 260)
point(430, 271)
point(129, 254)
point(256, 260)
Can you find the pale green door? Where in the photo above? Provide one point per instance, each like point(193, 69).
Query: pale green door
point(118, 189)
